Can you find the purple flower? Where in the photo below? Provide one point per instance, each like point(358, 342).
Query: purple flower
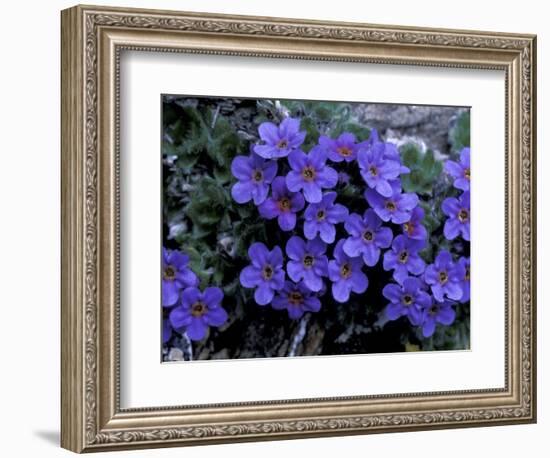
point(396, 208)
point(282, 205)
point(390, 149)
point(320, 218)
point(438, 312)
point(458, 212)
point(279, 140)
point(265, 273)
point(460, 171)
point(310, 174)
point(344, 148)
point(166, 330)
point(464, 263)
point(377, 171)
point(175, 276)
point(366, 237)
point(307, 262)
point(345, 274)
point(296, 299)
point(197, 311)
point(407, 300)
point(445, 277)
point(403, 257)
point(254, 175)
point(414, 229)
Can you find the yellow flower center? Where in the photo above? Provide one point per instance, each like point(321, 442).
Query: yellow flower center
point(467, 173)
point(407, 299)
point(368, 236)
point(443, 277)
point(282, 144)
point(169, 273)
point(463, 215)
point(295, 298)
point(198, 309)
point(308, 260)
point(308, 173)
point(284, 204)
point(344, 151)
point(403, 256)
point(345, 270)
point(390, 205)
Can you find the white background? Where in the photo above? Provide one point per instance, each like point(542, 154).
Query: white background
point(145, 76)
point(29, 246)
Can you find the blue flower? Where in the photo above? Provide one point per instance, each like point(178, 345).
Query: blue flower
point(464, 263)
point(197, 311)
point(367, 236)
point(458, 212)
point(403, 258)
point(307, 262)
point(437, 313)
point(176, 275)
point(344, 148)
point(407, 300)
point(445, 277)
point(282, 205)
point(166, 330)
point(279, 140)
point(310, 174)
point(265, 273)
point(345, 274)
point(414, 229)
point(460, 171)
point(254, 175)
point(377, 171)
point(396, 208)
point(320, 218)
point(296, 299)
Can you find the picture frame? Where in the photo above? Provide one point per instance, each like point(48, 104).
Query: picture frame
point(93, 39)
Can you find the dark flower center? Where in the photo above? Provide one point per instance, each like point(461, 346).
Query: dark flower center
point(308, 173)
point(390, 206)
point(282, 144)
point(408, 227)
point(321, 215)
point(373, 170)
point(345, 270)
point(467, 173)
point(368, 236)
point(257, 176)
point(198, 309)
point(463, 215)
point(284, 204)
point(407, 299)
point(267, 272)
point(344, 151)
point(308, 260)
point(403, 256)
point(169, 273)
point(443, 277)
point(295, 298)
point(467, 274)
point(433, 310)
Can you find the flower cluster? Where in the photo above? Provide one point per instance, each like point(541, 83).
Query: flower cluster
point(187, 309)
point(329, 247)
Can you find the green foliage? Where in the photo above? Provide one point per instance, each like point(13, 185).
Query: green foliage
point(459, 135)
point(425, 169)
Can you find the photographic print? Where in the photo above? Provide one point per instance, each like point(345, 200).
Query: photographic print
point(305, 228)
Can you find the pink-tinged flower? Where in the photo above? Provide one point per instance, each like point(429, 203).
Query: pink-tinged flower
point(265, 273)
point(283, 205)
point(458, 212)
point(346, 275)
point(414, 229)
point(310, 174)
point(307, 262)
point(403, 257)
point(367, 237)
point(407, 299)
point(176, 275)
point(254, 175)
point(321, 218)
point(197, 311)
point(377, 171)
point(460, 171)
point(396, 208)
point(343, 148)
point(297, 299)
point(280, 140)
point(437, 313)
point(445, 277)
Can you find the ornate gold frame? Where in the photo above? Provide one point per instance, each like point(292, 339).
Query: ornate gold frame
point(92, 39)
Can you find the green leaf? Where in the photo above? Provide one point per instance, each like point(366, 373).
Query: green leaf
point(460, 133)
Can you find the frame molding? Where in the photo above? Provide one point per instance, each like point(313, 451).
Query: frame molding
point(92, 39)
